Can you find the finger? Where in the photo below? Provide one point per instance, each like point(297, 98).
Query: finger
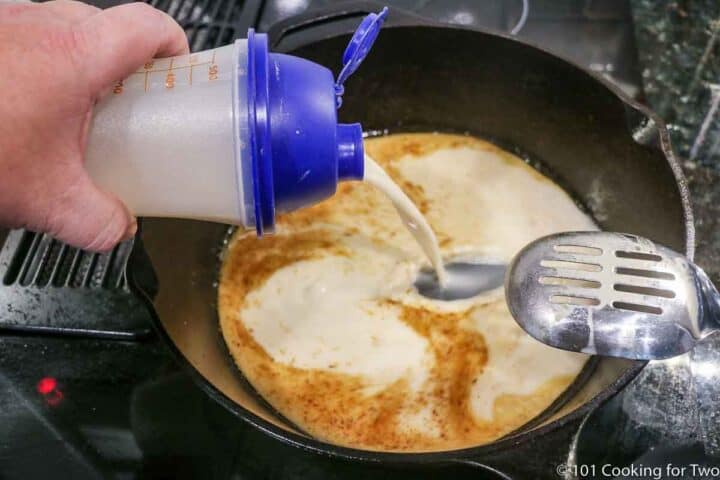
point(119, 40)
point(70, 10)
point(91, 219)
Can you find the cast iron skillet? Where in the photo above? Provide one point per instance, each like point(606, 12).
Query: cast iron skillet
point(610, 153)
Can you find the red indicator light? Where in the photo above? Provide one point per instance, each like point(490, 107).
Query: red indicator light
point(46, 385)
point(48, 388)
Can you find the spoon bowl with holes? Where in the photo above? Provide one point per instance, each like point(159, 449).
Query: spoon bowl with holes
point(611, 294)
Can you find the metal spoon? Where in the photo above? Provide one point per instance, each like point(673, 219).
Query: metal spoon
point(611, 294)
point(465, 280)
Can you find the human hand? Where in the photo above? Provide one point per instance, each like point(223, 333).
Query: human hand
point(59, 58)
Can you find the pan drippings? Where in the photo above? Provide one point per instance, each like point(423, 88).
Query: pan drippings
point(323, 319)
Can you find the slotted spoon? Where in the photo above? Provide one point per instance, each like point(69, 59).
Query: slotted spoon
point(611, 294)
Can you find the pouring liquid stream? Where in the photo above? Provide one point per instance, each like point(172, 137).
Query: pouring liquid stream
point(412, 217)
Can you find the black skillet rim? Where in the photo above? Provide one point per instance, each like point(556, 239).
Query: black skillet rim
point(471, 453)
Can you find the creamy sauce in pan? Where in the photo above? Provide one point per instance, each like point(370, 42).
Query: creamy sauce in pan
point(323, 319)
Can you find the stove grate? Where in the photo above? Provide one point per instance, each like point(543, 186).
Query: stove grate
point(212, 23)
point(49, 287)
point(39, 260)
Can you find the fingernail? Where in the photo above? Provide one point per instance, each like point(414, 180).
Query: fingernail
point(131, 230)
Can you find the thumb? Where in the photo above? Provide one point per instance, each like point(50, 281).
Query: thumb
point(90, 218)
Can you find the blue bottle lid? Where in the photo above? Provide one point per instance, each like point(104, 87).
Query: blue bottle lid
point(298, 151)
point(259, 121)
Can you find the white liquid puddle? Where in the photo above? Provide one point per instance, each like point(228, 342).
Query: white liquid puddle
point(412, 217)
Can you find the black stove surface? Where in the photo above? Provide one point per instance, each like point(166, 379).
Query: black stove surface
point(81, 406)
point(87, 408)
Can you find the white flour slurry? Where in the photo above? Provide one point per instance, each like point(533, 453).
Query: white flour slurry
point(412, 218)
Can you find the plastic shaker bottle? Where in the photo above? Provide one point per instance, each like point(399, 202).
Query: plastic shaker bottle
point(236, 134)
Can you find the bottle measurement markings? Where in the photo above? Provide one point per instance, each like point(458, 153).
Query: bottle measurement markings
point(171, 72)
point(192, 61)
point(148, 67)
point(213, 68)
point(170, 77)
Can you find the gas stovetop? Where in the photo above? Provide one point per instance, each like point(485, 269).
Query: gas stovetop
point(87, 390)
